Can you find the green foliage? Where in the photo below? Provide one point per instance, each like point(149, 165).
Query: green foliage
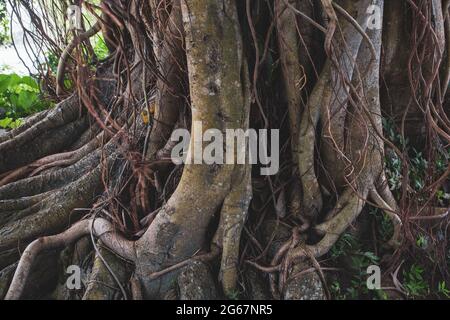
point(414, 282)
point(100, 48)
point(234, 295)
point(418, 165)
point(385, 227)
point(354, 258)
point(442, 289)
point(347, 242)
point(349, 249)
point(52, 61)
point(98, 44)
point(422, 241)
point(19, 97)
point(5, 38)
point(9, 123)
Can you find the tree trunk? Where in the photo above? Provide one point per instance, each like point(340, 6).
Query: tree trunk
point(96, 168)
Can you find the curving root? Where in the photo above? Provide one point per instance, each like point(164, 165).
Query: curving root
point(66, 54)
point(395, 240)
point(233, 216)
point(99, 227)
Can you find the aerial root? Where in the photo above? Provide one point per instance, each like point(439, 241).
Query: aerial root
point(346, 210)
point(99, 227)
point(312, 199)
point(233, 216)
point(287, 261)
point(332, 24)
point(275, 264)
point(66, 54)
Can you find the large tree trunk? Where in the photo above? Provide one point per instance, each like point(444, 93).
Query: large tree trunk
point(92, 175)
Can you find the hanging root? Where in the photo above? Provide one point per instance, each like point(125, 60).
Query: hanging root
point(67, 52)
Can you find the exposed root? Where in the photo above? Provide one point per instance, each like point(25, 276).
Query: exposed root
point(21, 203)
point(101, 228)
point(55, 215)
point(56, 160)
point(108, 278)
point(52, 180)
point(65, 112)
point(332, 229)
point(233, 217)
point(40, 145)
point(29, 122)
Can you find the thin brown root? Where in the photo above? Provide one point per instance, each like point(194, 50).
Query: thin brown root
point(66, 54)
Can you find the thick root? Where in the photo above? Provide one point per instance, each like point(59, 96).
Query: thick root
point(108, 279)
point(233, 217)
point(100, 228)
point(196, 282)
point(348, 208)
point(218, 81)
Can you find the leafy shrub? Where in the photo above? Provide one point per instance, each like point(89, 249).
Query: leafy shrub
point(414, 282)
point(5, 38)
point(19, 97)
point(418, 165)
point(353, 284)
